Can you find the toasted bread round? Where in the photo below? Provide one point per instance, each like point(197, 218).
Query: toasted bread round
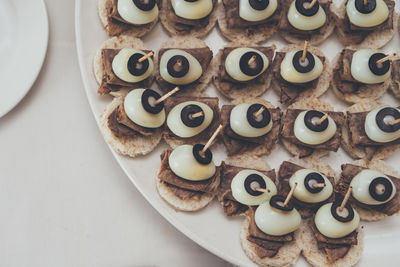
point(304, 103)
point(263, 32)
point(252, 162)
point(287, 255)
point(192, 204)
point(135, 30)
point(197, 33)
point(318, 258)
point(129, 146)
point(187, 43)
point(395, 85)
point(374, 40)
point(250, 91)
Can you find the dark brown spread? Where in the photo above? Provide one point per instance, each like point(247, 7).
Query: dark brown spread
point(182, 188)
point(236, 144)
point(203, 55)
point(347, 175)
point(227, 83)
point(335, 248)
point(110, 82)
point(286, 170)
point(290, 91)
point(396, 72)
point(116, 24)
point(332, 144)
point(285, 26)
point(356, 34)
point(122, 118)
point(184, 26)
point(206, 134)
point(234, 21)
point(118, 129)
point(224, 194)
point(265, 245)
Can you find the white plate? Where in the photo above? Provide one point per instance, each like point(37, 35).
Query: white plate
point(24, 35)
point(209, 227)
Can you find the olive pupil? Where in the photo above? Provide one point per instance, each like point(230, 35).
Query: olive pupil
point(380, 189)
point(314, 120)
point(304, 63)
point(254, 185)
point(388, 118)
point(342, 213)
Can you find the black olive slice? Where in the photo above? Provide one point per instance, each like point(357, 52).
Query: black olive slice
point(302, 7)
point(191, 1)
point(380, 183)
point(277, 203)
point(135, 67)
point(380, 119)
point(178, 66)
point(315, 114)
point(148, 95)
point(202, 158)
point(254, 68)
point(335, 209)
point(381, 68)
point(313, 178)
point(186, 116)
point(259, 4)
point(307, 65)
point(365, 9)
point(254, 178)
point(253, 121)
point(145, 5)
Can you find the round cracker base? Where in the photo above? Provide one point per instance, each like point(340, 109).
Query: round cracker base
point(241, 35)
point(179, 204)
point(374, 40)
point(135, 31)
point(187, 43)
point(287, 255)
point(318, 258)
point(252, 162)
point(198, 33)
point(129, 146)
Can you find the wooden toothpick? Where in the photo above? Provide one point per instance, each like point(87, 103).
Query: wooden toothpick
point(289, 196)
point(150, 54)
point(251, 60)
point(258, 113)
point(161, 99)
point(346, 198)
point(394, 122)
point(385, 58)
point(365, 2)
point(319, 185)
point(198, 114)
point(303, 56)
point(264, 190)
point(312, 4)
point(322, 119)
point(209, 142)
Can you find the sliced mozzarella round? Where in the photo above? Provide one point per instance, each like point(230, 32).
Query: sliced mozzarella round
point(120, 66)
point(301, 193)
point(290, 74)
point(305, 135)
point(247, 12)
point(305, 23)
point(276, 222)
point(132, 14)
point(176, 125)
point(332, 228)
point(246, 195)
point(232, 64)
point(375, 133)
point(360, 68)
point(192, 9)
point(361, 187)
point(136, 113)
point(184, 164)
point(376, 17)
point(241, 126)
point(194, 72)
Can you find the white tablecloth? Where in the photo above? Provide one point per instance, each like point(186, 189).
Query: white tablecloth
point(63, 198)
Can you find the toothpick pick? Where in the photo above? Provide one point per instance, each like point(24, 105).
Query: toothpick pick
point(323, 118)
point(208, 144)
point(198, 114)
point(313, 3)
point(161, 99)
point(251, 60)
point(365, 2)
point(346, 198)
point(150, 54)
point(259, 189)
point(319, 185)
point(303, 57)
point(394, 122)
point(258, 113)
point(385, 58)
point(289, 196)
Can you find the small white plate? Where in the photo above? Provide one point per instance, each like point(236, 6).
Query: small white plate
point(24, 32)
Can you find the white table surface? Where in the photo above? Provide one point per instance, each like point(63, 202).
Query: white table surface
point(64, 200)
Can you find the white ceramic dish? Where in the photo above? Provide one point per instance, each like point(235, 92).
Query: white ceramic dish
point(24, 34)
point(209, 227)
